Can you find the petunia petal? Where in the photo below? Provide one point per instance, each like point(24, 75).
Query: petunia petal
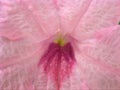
point(24, 24)
point(108, 45)
point(70, 13)
point(31, 19)
point(100, 64)
point(45, 12)
point(96, 77)
point(18, 77)
point(100, 14)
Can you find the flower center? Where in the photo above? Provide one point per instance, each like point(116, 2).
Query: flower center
point(60, 41)
point(58, 61)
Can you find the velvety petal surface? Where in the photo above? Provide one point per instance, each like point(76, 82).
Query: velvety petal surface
point(24, 25)
point(71, 12)
point(99, 60)
point(83, 17)
point(25, 18)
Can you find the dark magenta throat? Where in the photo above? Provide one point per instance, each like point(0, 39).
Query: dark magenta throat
point(58, 62)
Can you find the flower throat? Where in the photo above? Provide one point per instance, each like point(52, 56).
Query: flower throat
point(58, 61)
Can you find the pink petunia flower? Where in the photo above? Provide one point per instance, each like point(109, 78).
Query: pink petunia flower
point(59, 45)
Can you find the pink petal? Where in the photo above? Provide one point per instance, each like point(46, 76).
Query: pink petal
point(96, 77)
point(14, 52)
point(71, 12)
point(18, 77)
point(101, 64)
point(98, 64)
point(22, 33)
point(23, 27)
point(109, 41)
point(20, 19)
point(100, 14)
point(45, 13)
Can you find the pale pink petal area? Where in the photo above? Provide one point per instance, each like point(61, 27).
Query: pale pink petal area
point(15, 52)
point(100, 14)
point(45, 13)
point(108, 45)
point(28, 18)
point(18, 77)
point(101, 62)
point(21, 32)
point(71, 12)
point(27, 27)
point(14, 24)
point(24, 26)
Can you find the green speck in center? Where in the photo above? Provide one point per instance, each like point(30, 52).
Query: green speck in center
point(60, 41)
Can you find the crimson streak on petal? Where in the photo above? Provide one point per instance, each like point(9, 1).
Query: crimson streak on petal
point(58, 62)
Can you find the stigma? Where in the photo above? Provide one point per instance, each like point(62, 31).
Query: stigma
point(58, 60)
